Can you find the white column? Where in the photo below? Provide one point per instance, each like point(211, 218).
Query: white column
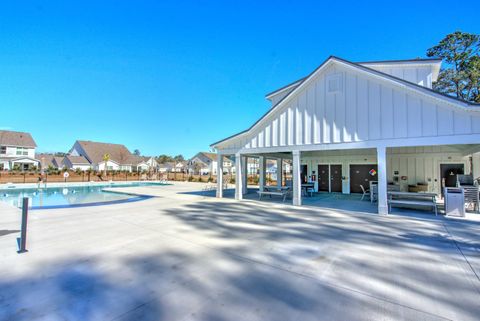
point(219, 175)
point(245, 175)
point(382, 180)
point(475, 165)
point(238, 176)
point(279, 172)
point(297, 183)
point(262, 171)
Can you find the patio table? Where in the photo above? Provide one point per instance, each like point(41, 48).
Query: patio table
point(306, 186)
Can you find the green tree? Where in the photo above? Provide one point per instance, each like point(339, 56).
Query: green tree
point(106, 158)
point(179, 158)
point(136, 152)
point(460, 76)
point(162, 159)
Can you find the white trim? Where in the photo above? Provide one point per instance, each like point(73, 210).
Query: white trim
point(275, 93)
point(404, 85)
point(397, 142)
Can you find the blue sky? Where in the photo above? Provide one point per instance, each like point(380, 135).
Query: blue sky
point(173, 77)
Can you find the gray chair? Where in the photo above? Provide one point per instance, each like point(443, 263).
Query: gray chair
point(366, 192)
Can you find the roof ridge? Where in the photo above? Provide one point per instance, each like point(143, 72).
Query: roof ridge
point(357, 65)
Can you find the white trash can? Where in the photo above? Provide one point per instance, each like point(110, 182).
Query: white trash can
point(454, 202)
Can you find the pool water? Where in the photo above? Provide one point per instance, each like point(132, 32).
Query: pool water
point(70, 196)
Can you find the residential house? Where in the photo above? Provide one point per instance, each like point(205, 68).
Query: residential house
point(76, 162)
point(165, 167)
point(17, 150)
point(50, 161)
point(205, 163)
point(347, 124)
point(120, 157)
point(172, 167)
point(146, 163)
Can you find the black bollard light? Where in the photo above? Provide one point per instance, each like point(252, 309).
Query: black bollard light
point(22, 241)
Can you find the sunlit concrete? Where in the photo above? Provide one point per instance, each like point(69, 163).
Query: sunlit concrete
point(187, 256)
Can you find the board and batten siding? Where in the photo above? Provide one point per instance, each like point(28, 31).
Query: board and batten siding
point(418, 75)
point(365, 109)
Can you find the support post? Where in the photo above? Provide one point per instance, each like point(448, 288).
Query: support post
point(238, 176)
point(245, 175)
point(475, 165)
point(382, 180)
point(219, 175)
point(279, 172)
point(22, 241)
point(297, 184)
point(262, 172)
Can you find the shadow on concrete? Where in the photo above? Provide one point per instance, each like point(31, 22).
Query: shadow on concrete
point(245, 262)
point(7, 232)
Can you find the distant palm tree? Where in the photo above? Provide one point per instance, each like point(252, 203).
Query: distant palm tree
point(106, 158)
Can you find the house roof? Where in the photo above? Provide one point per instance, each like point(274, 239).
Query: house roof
point(50, 160)
point(77, 160)
point(205, 157)
point(166, 165)
point(21, 139)
point(45, 159)
point(297, 82)
point(118, 153)
point(57, 161)
point(425, 90)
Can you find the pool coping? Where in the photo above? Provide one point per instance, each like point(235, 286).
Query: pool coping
point(105, 188)
point(22, 186)
point(135, 198)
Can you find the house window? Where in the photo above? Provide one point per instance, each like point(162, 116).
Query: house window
point(3, 150)
point(22, 151)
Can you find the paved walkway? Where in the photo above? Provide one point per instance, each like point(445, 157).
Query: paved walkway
point(182, 256)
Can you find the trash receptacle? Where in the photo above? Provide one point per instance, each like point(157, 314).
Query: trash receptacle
point(454, 201)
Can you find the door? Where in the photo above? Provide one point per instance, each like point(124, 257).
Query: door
point(449, 174)
point(336, 178)
point(303, 173)
point(323, 177)
point(362, 175)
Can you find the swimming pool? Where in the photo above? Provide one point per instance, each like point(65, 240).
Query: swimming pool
point(70, 196)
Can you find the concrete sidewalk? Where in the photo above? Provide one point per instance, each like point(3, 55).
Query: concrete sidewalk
point(181, 256)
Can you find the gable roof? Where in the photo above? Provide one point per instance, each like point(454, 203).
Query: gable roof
point(21, 139)
point(45, 159)
point(205, 157)
point(118, 153)
point(296, 83)
point(413, 86)
point(77, 160)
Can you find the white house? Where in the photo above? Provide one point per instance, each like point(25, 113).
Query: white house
point(347, 123)
point(172, 167)
point(146, 163)
point(205, 163)
point(120, 156)
point(17, 150)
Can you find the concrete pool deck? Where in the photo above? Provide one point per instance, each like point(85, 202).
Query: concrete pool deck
point(182, 256)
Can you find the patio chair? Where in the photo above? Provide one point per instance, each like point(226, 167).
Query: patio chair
point(366, 192)
point(310, 190)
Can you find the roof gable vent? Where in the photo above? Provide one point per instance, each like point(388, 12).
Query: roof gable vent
point(335, 83)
